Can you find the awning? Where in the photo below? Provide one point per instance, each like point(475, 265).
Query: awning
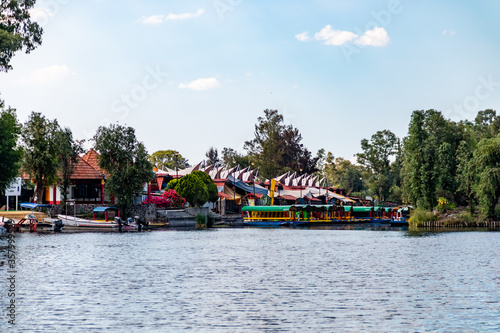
point(103, 209)
point(287, 197)
point(312, 199)
point(246, 187)
point(223, 195)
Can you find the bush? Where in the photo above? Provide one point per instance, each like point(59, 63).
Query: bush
point(419, 216)
point(200, 220)
point(444, 205)
point(169, 199)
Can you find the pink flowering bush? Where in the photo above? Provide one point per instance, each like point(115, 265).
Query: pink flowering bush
point(169, 199)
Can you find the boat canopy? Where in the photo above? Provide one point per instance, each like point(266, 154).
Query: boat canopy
point(266, 208)
point(33, 205)
point(103, 209)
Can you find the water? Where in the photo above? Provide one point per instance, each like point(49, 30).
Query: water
point(251, 280)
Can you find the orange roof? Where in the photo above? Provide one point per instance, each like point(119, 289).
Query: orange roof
point(84, 170)
point(92, 158)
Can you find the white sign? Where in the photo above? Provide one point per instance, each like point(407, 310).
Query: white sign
point(15, 188)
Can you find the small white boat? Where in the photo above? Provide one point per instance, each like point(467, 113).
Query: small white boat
point(109, 223)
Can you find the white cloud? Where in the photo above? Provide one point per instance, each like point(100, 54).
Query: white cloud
point(184, 16)
point(334, 37)
point(303, 37)
point(51, 74)
point(158, 19)
point(201, 84)
point(375, 37)
point(155, 19)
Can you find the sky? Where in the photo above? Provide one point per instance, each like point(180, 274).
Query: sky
point(190, 75)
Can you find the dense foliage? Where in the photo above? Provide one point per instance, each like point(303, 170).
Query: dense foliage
point(197, 188)
point(10, 154)
point(125, 160)
point(171, 159)
point(41, 151)
point(17, 31)
point(276, 147)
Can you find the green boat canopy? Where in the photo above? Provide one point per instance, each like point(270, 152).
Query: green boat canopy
point(309, 208)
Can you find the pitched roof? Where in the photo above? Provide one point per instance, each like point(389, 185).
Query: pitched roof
point(92, 158)
point(84, 170)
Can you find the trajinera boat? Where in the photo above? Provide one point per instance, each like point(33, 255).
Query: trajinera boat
point(295, 215)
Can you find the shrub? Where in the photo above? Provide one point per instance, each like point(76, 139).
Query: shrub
point(419, 215)
point(444, 205)
point(169, 199)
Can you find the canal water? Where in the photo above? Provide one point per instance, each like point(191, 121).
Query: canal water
point(252, 280)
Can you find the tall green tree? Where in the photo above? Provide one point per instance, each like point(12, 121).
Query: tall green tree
point(277, 148)
point(17, 31)
point(125, 161)
point(429, 165)
point(375, 157)
point(212, 156)
point(171, 159)
point(68, 151)
point(466, 174)
point(266, 148)
point(487, 164)
point(40, 152)
point(10, 153)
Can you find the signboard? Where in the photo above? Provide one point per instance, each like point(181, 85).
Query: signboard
point(15, 188)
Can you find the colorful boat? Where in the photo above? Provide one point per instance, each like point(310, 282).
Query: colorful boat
point(318, 214)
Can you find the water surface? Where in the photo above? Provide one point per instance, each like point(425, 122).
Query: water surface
point(250, 280)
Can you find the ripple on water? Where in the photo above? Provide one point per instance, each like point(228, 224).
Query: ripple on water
point(258, 280)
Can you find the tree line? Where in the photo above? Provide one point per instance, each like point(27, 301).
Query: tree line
point(440, 160)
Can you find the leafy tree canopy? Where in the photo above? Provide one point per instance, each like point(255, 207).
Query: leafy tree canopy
point(212, 156)
point(17, 31)
point(125, 160)
point(10, 154)
point(232, 158)
point(277, 148)
point(197, 188)
point(41, 150)
point(171, 159)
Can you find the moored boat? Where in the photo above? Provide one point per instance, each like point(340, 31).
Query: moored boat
point(318, 214)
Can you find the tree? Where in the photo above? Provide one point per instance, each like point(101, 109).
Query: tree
point(466, 176)
point(17, 31)
point(125, 161)
point(10, 154)
point(487, 164)
point(212, 156)
point(342, 173)
point(171, 159)
point(266, 148)
point(276, 147)
point(376, 159)
point(40, 158)
point(232, 158)
point(197, 188)
point(68, 151)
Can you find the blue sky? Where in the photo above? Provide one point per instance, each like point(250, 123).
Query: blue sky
point(188, 75)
